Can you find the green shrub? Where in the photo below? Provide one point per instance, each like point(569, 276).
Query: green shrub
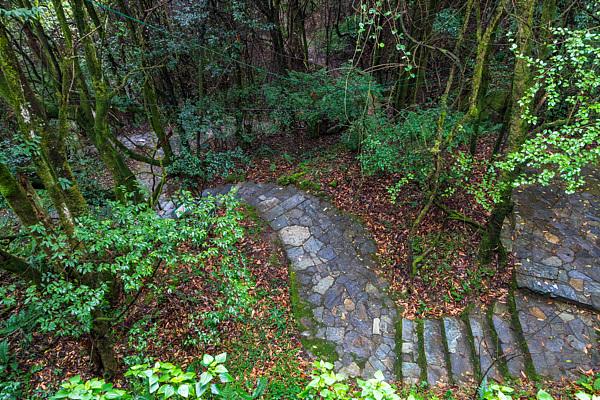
point(165, 380)
point(404, 146)
point(126, 244)
point(313, 99)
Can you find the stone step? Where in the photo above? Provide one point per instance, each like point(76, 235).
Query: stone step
point(409, 357)
point(561, 337)
point(435, 352)
point(513, 359)
point(483, 346)
point(457, 343)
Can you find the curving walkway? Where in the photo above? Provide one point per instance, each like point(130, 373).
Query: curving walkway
point(344, 312)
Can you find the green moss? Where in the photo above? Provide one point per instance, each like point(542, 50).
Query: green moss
point(398, 364)
point(236, 177)
point(300, 308)
point(302, 311)
point(502, 366)
point(471, 341)
point(322, 349)
point(421, 358)
point(519, 336)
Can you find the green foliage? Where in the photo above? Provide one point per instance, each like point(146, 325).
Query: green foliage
point(164, 381)
point(568, 128)
point(94, 389)
point(199, 127)
point(326, 384)
point(10, 385)
point(213, 381)
point(312, 98)
point(589, 388)
point(447, 22)
point(495, 391)
point(404, 147)
point(377, 388)
point(126, 244)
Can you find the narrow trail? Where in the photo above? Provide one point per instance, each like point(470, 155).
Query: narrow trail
point(341, 303)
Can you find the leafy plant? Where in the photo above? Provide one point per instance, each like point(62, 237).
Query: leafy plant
point(495, 391)
point(326, 384)
point(377, 388)
point(589, 388)
point(405, 146)
point(164, 381)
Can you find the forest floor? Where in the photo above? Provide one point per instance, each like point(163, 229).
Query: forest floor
point(448, 280)
point(163, 325)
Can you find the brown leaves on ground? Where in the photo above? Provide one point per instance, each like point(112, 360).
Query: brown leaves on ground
point(449, 279)
point(165, 318)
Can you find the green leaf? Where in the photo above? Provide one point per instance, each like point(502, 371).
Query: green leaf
point(207, 359)
point(167, 391)
point(205, 378)
point(220, 369)
point(184, 390)
point(225, 377)
point(261, 385)
point(543, 395)
point(583, 396)
point(221, 358)
point(200, 389)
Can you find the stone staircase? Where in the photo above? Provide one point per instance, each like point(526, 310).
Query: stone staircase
point(527, 335)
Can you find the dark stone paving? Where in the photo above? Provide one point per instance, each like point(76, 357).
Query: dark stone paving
point(557, 241)
point(561, 337)
point(331, 256)
point(457, 343)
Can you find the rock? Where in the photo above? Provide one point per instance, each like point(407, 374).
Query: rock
point(538, 313)
point(551, 238)
point(370, 289)
point(376, 326)
point(323, 285)
point(552, 261)
point(294, 235)
point(577, 284)
point(334, 334)
point(352, 370)
point(349, 305)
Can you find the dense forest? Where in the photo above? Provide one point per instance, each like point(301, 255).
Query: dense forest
point(419, 120)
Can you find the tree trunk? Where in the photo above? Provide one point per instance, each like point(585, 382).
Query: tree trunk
point(516, 132)
point(16, 197)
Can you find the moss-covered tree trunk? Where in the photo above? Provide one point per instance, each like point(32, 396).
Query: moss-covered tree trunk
point(16, 197)
point(482, 53)
point(124, 179)
point(516, 132)
point(30, 116)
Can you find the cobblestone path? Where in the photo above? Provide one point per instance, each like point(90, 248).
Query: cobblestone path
point(556, 238)
point(342, 305)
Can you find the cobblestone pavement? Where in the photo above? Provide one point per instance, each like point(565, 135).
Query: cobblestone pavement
point(556, 239)
point(342, 304)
